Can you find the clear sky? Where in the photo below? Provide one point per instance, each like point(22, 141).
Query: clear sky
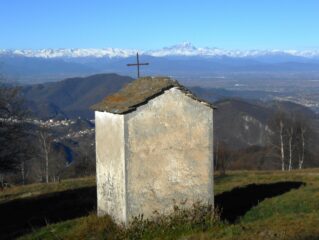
point(148, 24)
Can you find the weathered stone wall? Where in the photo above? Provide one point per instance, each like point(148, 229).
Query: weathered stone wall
point(110, 165)
point(169, 153)
point(157, 155)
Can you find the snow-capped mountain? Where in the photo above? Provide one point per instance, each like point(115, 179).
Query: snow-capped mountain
point(183, 59)
point(188, 49)
point(183, 49)
point(71, 53)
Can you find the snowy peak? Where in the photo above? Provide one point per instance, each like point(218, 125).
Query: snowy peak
point(184, 46)
point(182, 49)
point(71, 53)
point(188, 49)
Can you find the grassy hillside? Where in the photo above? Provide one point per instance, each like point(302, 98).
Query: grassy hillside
point(28, 207)
point(257, 205)
point(38, 189)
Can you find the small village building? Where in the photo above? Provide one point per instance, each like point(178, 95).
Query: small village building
point(154, 148)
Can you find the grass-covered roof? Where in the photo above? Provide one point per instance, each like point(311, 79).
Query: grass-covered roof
point(138, 93)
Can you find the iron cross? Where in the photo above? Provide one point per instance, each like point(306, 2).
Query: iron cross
point(138, 64)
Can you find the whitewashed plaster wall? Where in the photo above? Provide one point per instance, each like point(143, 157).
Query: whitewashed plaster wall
point(110, 165)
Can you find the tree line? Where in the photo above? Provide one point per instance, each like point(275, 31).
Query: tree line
point(29, 152)
point(290, 144)
point(291, 138)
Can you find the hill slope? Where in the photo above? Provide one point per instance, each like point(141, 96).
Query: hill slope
point(239, 122)
point(266, 205)
point(72, 97)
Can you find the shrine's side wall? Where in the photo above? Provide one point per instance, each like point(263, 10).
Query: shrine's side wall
point(169, 153)
point(110, 165)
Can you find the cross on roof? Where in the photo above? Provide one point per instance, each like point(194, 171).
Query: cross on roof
point(138, 64)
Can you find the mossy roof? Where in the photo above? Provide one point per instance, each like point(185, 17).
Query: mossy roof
point(138, 93)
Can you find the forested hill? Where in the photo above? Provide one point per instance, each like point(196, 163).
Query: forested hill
point(241, 119)
point(71, 97)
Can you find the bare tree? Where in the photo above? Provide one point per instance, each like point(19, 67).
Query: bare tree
point(290, 135)
point(224, 155)
point(291, 132)
point(303, 130)
point(60, 159)
point(14, 150)
point(45, 140)
point(303, 134)
point(216, 160)
point(282, 150)
point(85, 161)
point(298, 133)
point(279, 126)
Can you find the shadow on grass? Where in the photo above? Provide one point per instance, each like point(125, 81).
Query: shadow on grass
point(21, 216)
point(237, 202)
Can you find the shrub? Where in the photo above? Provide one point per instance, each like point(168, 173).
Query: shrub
point(199, 217)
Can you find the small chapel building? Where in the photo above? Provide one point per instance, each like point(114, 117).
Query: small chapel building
point(154, 148)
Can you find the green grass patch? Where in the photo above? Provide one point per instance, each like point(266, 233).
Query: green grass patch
point(30, 190)
point(291, 215)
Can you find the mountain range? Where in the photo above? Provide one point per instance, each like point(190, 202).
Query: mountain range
point(182, 60)
point(183, 49)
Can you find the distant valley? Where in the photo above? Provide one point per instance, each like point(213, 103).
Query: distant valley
point(243, 121)
point(286, 75)
point(241, 117)
point(248, 89)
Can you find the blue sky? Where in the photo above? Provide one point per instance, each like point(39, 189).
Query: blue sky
point(147, 24)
